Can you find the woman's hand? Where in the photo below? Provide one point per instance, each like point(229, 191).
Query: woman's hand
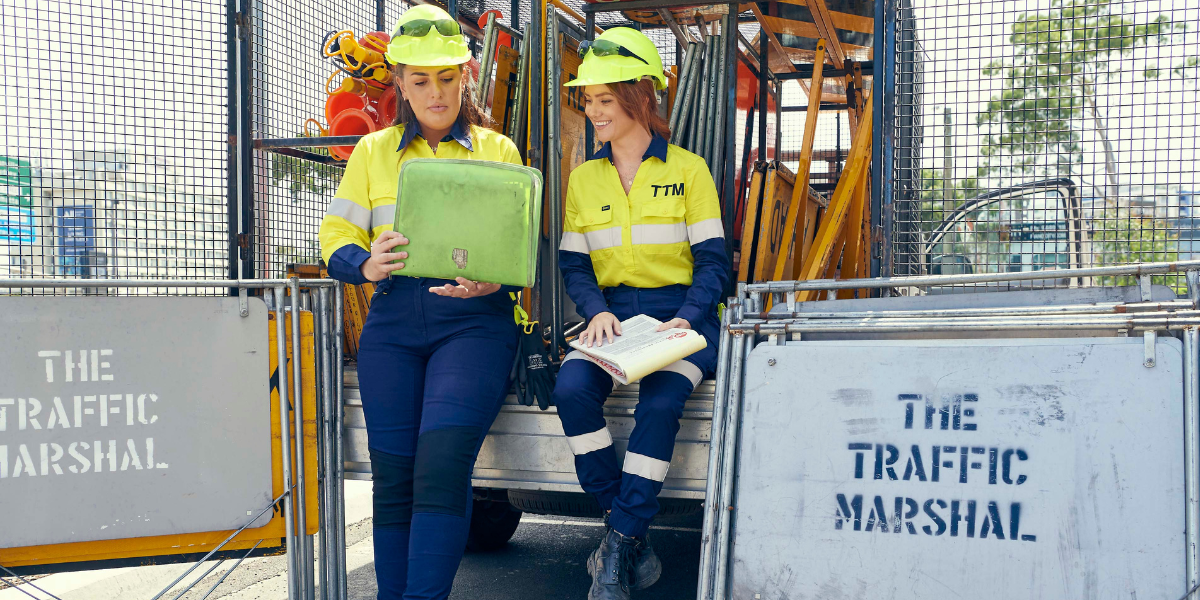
point(675, 323)
point(602, 324)
point(465, 289)
point(379, 266)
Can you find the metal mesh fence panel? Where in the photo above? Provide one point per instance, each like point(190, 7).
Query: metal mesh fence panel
point(114, 155)
point(289, 75)
point(1044, 135)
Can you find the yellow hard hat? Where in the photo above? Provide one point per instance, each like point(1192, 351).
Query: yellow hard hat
point(426, 36)
point(620, 54)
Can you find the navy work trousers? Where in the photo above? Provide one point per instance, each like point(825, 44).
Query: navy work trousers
point(631, 489)
point(433, 372)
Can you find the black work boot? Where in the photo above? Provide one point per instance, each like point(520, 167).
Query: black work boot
point(612, 567)
point(648, 567)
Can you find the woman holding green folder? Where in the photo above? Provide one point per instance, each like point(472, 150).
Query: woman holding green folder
point(435, 355)
point(642, 235)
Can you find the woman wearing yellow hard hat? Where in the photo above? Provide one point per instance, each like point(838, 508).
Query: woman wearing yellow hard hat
point(642, 235)
point(435, 355)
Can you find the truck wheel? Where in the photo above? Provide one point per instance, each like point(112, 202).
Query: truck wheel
point(493, 523)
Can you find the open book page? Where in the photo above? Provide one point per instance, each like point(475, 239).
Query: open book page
point(640, 350)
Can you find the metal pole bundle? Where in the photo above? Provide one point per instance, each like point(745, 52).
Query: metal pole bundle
point(554, 172)
point(699, 116)
point(684, 86)
point(516, 121)
point(490, 38)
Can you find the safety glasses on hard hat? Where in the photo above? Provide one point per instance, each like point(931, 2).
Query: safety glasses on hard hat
point(421, 27)
point(606, 48)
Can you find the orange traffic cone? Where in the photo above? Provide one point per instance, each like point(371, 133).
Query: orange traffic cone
point(351, 121)
point(387, 107)
point(341, 101)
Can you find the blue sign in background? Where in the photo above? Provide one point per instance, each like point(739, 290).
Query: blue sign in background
point(76, 238)
point(17, 225)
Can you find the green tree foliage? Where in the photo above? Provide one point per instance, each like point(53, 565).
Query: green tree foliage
point(304, 176)
point(1050, 83)
point(933, 208)
point(1129, 239)
point(288, 254)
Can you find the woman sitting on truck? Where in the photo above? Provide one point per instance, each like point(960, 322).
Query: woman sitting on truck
point(435, 355)
point(643, 235)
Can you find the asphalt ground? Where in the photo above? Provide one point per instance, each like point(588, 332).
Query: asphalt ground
point(546, 558)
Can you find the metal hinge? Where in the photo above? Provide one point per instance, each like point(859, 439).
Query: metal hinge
point(243, 302)
point(1144, 284)
point(243, 242)
point(1151, 338)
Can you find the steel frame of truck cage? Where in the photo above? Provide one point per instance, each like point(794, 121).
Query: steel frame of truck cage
point(302, 583)
point(745, 320)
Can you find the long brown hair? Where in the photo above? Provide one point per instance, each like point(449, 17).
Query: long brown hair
point(640, 102)
point(469, 114)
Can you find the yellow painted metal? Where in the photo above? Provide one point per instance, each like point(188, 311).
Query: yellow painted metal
point(144, 550)
point(754, 201)
point(798, 208)
point(773, 221)
point(831, 270)
point(785, 63)
point(831, 226)
point(354, 317)
point(507, 62)
point(824, 22)
point(864, 190)
point(807, 232)
point(853, 234)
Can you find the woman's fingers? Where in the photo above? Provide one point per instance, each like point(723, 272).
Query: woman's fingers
point(469, 285)
point(384, 245)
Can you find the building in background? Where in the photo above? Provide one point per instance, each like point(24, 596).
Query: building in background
point(113, 214)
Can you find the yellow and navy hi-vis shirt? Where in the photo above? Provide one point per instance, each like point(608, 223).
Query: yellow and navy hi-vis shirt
point(365, 202)
point(667, 231)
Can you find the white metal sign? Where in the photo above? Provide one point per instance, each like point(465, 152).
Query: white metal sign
point(974, 468)
point(131, 417)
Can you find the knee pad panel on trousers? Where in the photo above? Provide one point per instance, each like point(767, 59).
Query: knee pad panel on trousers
point(392, 488)
point(442, 473)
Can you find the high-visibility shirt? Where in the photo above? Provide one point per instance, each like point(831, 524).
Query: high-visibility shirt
point(666, 231)
point(365, 202)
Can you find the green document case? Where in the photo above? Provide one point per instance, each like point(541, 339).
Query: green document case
point(476, 219)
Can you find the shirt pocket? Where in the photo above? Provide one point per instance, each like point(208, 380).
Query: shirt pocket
point(664, 211)
point(662, 230)
point(603, 236)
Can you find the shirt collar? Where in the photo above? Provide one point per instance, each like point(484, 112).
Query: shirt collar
point(457, 133)
point(657, 149)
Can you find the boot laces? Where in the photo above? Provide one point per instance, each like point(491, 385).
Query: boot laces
point(627, 562)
